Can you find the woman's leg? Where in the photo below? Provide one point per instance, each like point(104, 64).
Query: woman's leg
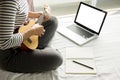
point(50, 28)
point(37, 60)
point(32, 61)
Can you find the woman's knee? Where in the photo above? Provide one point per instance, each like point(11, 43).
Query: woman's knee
point(54, 21)
point(56, 59)
point(59, 59)
point(51, 24)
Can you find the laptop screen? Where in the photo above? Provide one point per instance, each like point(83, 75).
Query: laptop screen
point(90, 18)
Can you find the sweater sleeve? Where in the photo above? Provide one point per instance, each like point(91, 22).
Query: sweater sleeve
point(8, 9)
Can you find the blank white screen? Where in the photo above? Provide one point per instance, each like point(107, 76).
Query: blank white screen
point(90, 17)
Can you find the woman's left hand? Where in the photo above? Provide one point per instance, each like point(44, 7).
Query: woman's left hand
point(34, 14)
point(47, 13)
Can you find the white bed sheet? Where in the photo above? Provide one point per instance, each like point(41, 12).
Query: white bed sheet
point(107, 58)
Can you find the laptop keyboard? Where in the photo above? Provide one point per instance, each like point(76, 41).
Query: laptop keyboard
point(80, 31)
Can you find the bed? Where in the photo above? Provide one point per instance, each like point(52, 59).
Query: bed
point(106, 52)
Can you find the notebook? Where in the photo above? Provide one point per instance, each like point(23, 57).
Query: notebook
point(83, 55)
point(87, 24)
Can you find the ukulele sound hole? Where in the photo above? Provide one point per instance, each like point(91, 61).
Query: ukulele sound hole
point(29, 40)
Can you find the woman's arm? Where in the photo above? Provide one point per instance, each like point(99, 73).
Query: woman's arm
point(34, 14)
point(8, 39)
point(8, 10)
point(47, 14)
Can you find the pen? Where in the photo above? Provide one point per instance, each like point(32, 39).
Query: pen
point(82, 64)
point(58, 50)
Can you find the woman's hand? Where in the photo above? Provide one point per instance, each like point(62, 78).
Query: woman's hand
point(34, 14)
point(38, 30)
point(47, 13)
point(35, 30)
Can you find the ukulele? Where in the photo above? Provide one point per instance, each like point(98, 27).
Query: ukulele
point(32, 42)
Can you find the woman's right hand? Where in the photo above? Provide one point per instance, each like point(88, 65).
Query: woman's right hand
point(38, 30)
point(35, 30)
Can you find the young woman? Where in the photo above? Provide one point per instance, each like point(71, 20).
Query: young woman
point(13, 14)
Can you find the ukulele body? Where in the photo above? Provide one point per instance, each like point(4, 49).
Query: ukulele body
point(32, 42)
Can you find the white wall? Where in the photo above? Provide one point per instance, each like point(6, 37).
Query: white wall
point(107, 4)
point(59, 7)
point(52, 2)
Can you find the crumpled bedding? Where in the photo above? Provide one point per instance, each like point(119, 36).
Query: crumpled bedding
point(50, 75)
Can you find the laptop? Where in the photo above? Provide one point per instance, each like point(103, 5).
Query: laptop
point(87, 24)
